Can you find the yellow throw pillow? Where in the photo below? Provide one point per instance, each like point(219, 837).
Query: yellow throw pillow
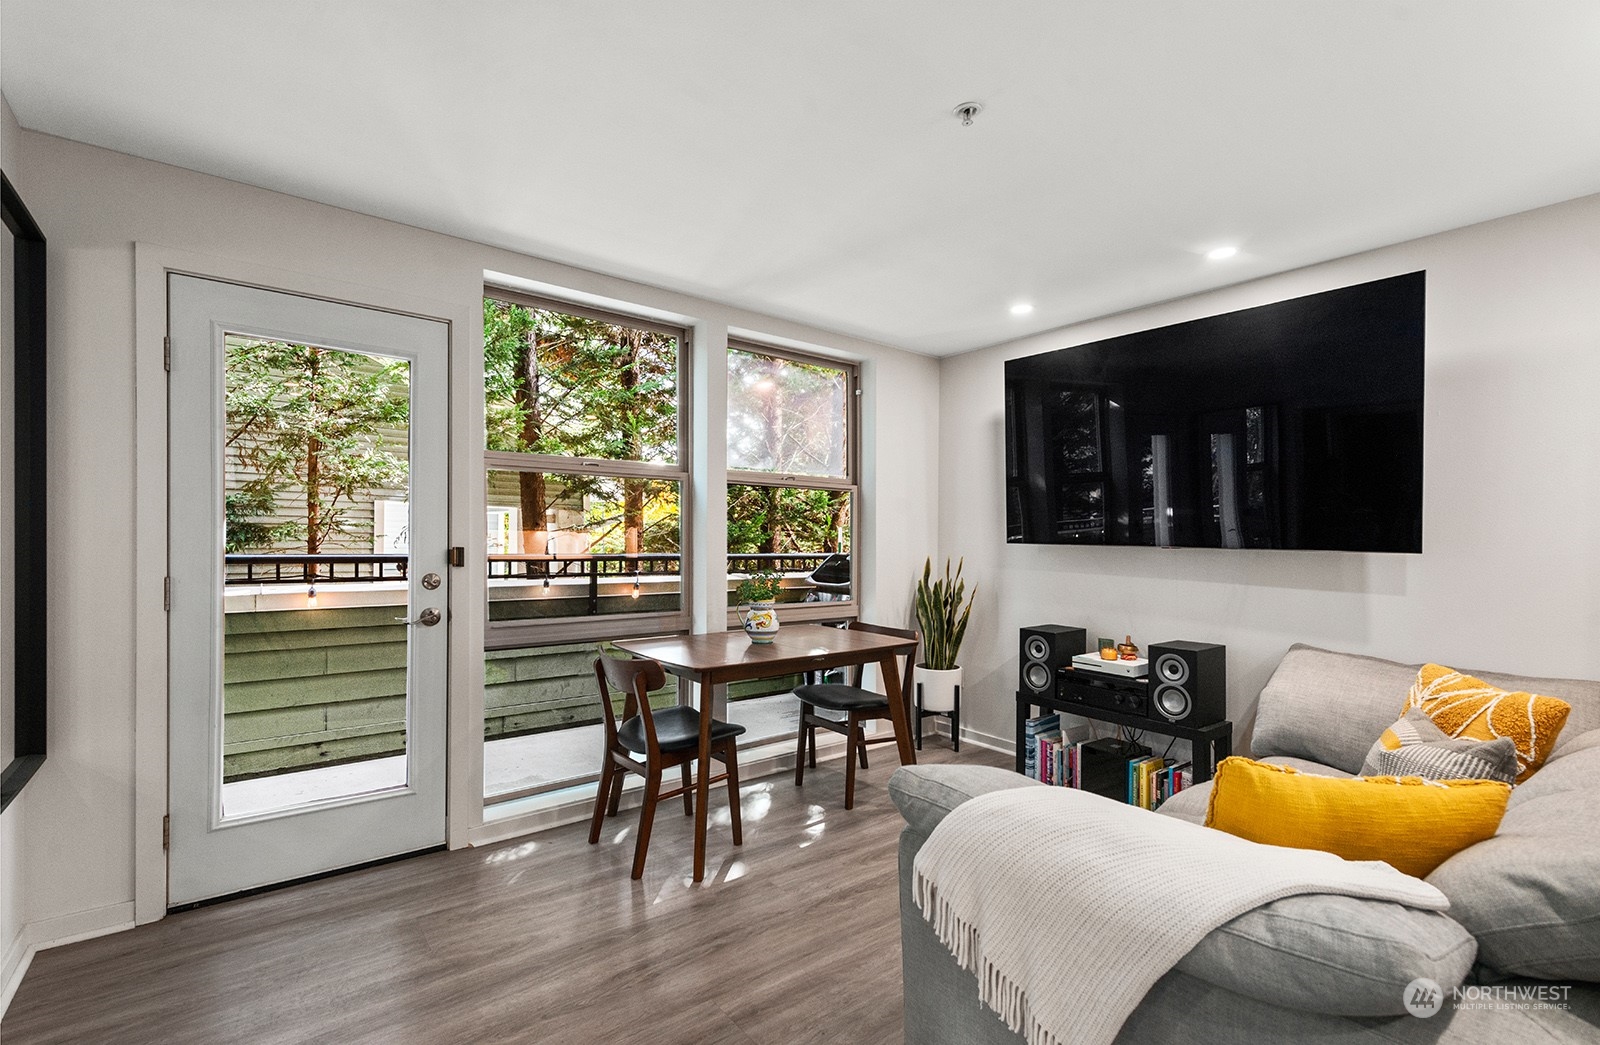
point(1463, 706)
point(1410, 823)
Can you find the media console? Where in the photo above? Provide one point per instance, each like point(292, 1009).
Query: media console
point(1125, 702)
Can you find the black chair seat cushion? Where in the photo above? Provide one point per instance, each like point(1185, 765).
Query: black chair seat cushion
point(677, 729)
point(841, 698)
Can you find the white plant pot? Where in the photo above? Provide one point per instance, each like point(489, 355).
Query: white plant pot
point(938, 688)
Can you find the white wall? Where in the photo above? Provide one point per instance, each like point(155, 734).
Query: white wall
point(1510, 573)
point(13, 946)
point(94, 205)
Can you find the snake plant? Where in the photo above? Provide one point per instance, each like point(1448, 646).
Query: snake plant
point(941, 616)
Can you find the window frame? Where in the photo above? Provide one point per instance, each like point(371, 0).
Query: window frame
point(512, 634)
point(815, 611)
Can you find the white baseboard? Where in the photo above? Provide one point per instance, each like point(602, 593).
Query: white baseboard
point(17, 959)
point(1005, 745)
point(56, 932)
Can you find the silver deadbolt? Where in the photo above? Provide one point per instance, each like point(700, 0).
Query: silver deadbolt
point(431, 581)
point(427, 618)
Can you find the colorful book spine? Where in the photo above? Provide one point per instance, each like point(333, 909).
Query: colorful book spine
point(1032, 728)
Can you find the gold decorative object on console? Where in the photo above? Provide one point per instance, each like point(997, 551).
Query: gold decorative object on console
point(1126, 649)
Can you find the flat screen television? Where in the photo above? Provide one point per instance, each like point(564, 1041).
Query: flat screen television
point(1291, 425)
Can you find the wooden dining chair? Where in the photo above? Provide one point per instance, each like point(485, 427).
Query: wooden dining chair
point(859, 707)
point(666, 738)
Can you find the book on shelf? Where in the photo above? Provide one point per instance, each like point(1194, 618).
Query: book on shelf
point(1171, 780)
point(1049, 746)
point(1144, 780)
point(1031, 730)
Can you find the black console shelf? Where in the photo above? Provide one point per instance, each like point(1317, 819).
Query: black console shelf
point(1210, 743)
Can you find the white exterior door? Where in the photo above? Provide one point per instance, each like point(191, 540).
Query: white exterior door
point(307, 658)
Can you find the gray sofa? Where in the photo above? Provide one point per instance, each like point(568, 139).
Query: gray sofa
point(1525, 904)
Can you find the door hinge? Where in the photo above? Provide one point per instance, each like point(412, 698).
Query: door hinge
point(166, 354)
point(166, 831)
point(166, 594)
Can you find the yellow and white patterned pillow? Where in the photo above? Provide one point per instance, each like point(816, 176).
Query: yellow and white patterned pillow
point(1465, 707)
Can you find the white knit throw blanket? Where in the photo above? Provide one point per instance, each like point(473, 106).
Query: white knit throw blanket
point(1068, 906)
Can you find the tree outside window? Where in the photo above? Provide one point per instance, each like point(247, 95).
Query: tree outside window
point(568, 385)
point(314, 437)
point(790, 488)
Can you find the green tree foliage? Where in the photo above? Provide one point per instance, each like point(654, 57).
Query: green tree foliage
point(247, 526)
point(776, 519)
point(556, 383)
point(311, 420)
point(606, 514)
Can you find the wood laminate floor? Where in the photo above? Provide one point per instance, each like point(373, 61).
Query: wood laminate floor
point(792, 939)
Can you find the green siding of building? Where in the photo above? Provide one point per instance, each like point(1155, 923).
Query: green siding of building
point(320, 687)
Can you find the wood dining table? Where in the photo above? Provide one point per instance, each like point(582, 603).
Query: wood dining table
point(718, 658)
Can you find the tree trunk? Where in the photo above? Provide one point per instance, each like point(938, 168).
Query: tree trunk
point(313, 496)
point(530, 485)
point(837, 520)
point(632, 489)
point(769, 531)
point(632, 516)
point(313, 458)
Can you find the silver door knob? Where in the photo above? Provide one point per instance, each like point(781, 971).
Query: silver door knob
point(427, 618)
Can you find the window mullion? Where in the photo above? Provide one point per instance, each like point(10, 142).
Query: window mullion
point(503, 460)
point(792, 482)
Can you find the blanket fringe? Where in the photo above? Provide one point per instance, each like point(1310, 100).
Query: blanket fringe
point(996, 990)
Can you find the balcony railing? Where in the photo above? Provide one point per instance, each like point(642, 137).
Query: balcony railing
point(321, 569)
point(366, 569)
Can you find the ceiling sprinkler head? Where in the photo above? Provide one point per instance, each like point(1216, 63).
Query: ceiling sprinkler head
point(967, 110)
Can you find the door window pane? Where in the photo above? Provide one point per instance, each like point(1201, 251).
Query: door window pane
point(316, 487)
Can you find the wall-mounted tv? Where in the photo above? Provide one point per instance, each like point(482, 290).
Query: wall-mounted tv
point(1291, 425)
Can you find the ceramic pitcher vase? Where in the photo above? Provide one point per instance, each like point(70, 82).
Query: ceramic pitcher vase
point(760, 621)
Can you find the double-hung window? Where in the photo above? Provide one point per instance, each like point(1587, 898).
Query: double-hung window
point(585, 451)
point(792, 446)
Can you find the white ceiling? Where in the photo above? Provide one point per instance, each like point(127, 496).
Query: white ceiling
point(800, 159)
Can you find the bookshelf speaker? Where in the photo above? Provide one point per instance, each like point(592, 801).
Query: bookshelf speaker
point(1188, 682)
point(1045, 649)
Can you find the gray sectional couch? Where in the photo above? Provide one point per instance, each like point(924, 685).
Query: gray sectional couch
point(1525, 904)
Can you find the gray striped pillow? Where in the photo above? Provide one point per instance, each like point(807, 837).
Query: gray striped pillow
point(1427, 751)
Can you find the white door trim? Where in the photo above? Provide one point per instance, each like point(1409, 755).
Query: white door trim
point(152, 263)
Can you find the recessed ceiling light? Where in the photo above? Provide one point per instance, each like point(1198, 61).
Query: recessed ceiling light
point(1021, 308)
point(1221, 253)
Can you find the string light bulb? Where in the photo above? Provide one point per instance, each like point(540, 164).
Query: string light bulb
point(636, 586)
